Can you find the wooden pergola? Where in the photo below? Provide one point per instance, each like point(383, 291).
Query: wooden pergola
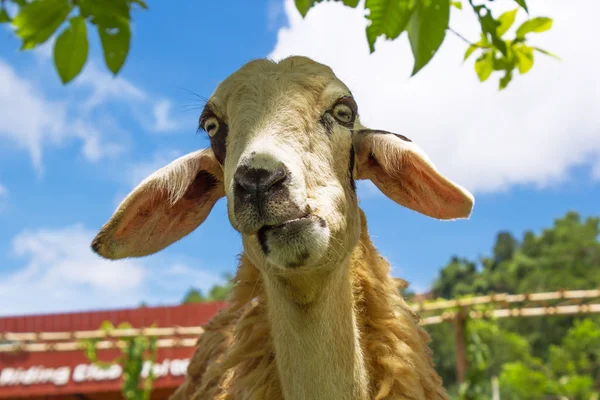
point(458, 311)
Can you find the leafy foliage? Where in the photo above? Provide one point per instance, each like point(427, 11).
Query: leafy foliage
point(35, 21)
point(554, 357)
point(568, 373)
point(388, 18)
point(427, 29)
point(427, 21)
point(520, 381)
point(137, 350)
point(478, 356)
point(216, 293)
point(564, 256)
point(499, 54)
point(71, 49)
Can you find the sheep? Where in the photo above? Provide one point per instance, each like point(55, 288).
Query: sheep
point(314, 312)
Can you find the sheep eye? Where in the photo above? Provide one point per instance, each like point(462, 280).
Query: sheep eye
point(343, 113)
point(211, 126)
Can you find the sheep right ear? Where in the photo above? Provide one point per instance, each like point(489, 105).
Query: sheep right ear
point(402, 171)
point(165, 207)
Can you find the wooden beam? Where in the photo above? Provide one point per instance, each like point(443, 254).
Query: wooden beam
point(460, 325)
point(527, 312)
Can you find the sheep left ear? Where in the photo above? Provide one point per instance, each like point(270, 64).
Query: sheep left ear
point(163, 208)
point(402, 171)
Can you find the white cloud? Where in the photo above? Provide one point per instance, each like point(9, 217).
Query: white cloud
point(26, 116)
point(106, 87)
point(95, 148)
point(275, 13)
point(596, 170)
point(3, 197)
point(162, 114)
point(32, 121)
point(62, 273)
point(29, 120)
point(545, 123)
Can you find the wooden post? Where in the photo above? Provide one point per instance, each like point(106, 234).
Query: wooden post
point(460, 323)
point(495, 388)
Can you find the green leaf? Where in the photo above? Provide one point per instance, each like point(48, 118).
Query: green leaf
point(524, 55)
point(4, 17)
point(506, 20)
point(105, 12)
point(484, 65)
point(538, 24)
point(427, 29)
point(351, 3)
point(304, 5)
point(546, 52)
point(456, 4)
point(503, 63)
point(489, 26)
point(505, 80)
point(388, 18)
point(71, 50)
point(470, 51)
point(522, 4)
point(115, 43)
point(141, 4)
point(38, 20)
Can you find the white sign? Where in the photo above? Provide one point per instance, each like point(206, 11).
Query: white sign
point(60, 376)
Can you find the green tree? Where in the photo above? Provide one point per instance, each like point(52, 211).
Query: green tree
point(575, 363)
point(460, 277)
point(216, 293)
point(505, 247)
point(565, 255)
point(476, 385)
point(444, 353)
point(425, 22)
point(568, 372)
point(519, 381)
point(193, 296)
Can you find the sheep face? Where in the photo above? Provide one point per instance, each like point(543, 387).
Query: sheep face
point(286, 148)
point(283, 134)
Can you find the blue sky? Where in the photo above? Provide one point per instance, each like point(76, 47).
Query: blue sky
point(68, 155)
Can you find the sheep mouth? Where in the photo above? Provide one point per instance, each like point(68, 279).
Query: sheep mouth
point(294, 242)
point(287, 223)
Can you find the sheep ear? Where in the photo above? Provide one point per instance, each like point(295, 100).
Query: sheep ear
point(165, 207)
point(402, 171)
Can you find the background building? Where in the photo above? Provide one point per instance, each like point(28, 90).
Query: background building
point(39, 358)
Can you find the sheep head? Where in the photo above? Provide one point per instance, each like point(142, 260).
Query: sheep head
point(286, 148)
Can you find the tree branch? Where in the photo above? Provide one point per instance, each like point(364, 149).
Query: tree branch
point(464, 39)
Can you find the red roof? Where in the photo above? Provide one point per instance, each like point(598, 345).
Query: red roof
point(19, 371)
point(195, 314)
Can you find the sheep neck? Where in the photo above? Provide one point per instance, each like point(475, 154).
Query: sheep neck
point(316, 337)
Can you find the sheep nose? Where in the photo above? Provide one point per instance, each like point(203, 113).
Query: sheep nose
point(258, 181)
